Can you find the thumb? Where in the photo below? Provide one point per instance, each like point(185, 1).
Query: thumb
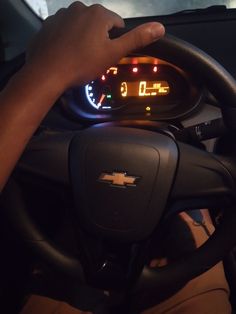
point(139, 37)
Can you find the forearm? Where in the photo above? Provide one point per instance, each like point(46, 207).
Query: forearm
point(23, 104)
point(61, 56)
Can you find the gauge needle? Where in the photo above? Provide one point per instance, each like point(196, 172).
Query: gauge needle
point(101, 99)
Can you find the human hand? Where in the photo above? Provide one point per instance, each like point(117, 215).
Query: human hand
point(73, 46)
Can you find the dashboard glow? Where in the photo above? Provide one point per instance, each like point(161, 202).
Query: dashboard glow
point(144, 88)
point(146, 83)
point(138, 87)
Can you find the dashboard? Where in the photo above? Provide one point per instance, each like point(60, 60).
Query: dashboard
point(138, 87)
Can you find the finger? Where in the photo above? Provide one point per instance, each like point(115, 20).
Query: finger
point(114, 20)
point(110, 18)
point(50, 18)
point(77, 5)
point(61, 12)
point(139, 37)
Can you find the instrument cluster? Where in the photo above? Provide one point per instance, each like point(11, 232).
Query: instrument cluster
point(137, 87)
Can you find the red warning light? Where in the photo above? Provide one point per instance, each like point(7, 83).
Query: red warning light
point(134, 61)
point(135, 70)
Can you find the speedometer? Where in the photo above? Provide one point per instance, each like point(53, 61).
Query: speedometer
point(138, 87)
point(101, 96)
point(139, 80)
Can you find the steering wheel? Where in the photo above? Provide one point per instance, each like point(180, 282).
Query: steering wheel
point(137, 178)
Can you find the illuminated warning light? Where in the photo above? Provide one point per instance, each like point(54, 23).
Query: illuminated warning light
point(135, 70)
point(109, 96)
point(103, 77)
point(113, 70)
point(155, 69)
point(148, 108)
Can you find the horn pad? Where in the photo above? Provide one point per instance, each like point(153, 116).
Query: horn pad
point(121, 179)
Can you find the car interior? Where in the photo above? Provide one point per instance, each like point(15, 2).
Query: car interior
point(114, 160)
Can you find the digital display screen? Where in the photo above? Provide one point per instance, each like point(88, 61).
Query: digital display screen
point(144, 89)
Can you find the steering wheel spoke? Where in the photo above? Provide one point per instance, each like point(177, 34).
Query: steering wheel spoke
point(203, 180)
point(46, 157)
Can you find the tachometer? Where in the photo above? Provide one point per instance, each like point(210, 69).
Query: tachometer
point(100, 95)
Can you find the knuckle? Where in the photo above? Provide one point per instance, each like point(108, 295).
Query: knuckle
point(48, 20)
point(97, 8)
point(76, 5)
point(61, 11)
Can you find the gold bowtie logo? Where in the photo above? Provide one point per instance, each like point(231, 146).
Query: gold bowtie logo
point(118, 179)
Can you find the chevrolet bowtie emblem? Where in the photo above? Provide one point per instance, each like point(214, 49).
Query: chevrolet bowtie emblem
point(120, 179)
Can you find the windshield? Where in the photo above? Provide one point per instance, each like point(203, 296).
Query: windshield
point(130, 8)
